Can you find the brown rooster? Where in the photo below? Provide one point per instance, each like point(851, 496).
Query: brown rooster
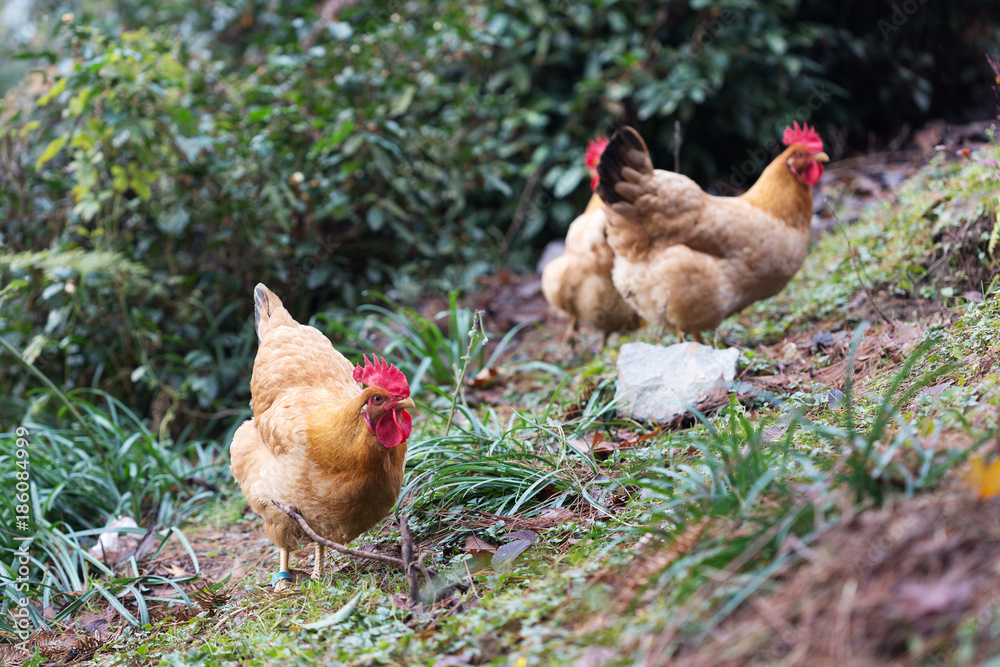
point(687, 259)
point(578, 282)
point(317, 440)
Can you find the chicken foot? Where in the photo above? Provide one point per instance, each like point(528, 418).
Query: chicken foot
point(283, 578)
point(696, 335)
point(408, 564)
point(294, 513)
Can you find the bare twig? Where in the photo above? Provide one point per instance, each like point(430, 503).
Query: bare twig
point(409, 566)
point(520, 213)
point(293, 512)
point(677, 146)
point(422, 567)
point(857, 267)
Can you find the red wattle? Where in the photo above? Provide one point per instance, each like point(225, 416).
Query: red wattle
point(812, 174)
point(394, 428)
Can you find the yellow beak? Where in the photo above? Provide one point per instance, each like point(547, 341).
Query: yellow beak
point(406, 404)
point(821, 157)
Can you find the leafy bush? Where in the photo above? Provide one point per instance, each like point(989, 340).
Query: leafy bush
point(404, 146)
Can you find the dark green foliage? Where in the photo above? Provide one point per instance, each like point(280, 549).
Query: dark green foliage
point(404, 146)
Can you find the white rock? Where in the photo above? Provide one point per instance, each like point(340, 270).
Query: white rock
point(111, 542)
point(657, 383)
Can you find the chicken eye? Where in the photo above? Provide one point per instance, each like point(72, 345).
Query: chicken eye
point(377, 400)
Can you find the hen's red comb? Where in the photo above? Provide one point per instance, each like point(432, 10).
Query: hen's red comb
point(804, 135)
point(381, 374)
point(595, 148)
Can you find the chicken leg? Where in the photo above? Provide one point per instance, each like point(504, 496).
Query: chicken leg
point(696, 335)
point(569, 338)
point(283, 578)
point(317, 572)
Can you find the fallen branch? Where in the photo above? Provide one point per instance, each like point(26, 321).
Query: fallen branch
point(408, 564)
point(406, 541)
point(677, 146)
point(293, 512)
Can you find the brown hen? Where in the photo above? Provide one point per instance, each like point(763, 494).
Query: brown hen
point(687, 259)
point(317, 440)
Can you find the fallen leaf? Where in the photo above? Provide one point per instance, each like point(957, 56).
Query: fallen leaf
point(906, 333)
point(529, 535)
point(836, 399)
point(822, 338)
point(399, 602)
point(974, 296)
point(595, 445)
point(652, 434)
point(477, 547)
point(984, 478)
point(604, 449)
point(951, 593)
point(937, 389)
point(177, 570)
point(595, 657)
point(506, 554)
point(717, 396)
point(555, 513)
point(486, 377)
point(789, 354)
point(214, 536)
point(773, 433)
point(628, 436)
point(579, 444)
point(451, 660)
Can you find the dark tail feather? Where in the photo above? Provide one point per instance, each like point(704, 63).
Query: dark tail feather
point(625, 150)
point(261, 306)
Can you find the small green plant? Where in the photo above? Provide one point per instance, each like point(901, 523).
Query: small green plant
point(99, 462)
point(504, 469)
point(429, 354)
point(887, 451)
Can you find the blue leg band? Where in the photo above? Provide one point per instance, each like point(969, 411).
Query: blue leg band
point(278, 576)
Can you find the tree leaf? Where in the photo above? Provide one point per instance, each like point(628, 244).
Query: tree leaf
point(568, 181)
point(51, 151)
point(402, 101)
point(338, 616)
point(528, 535)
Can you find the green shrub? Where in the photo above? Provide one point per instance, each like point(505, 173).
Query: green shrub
point(403, 146)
